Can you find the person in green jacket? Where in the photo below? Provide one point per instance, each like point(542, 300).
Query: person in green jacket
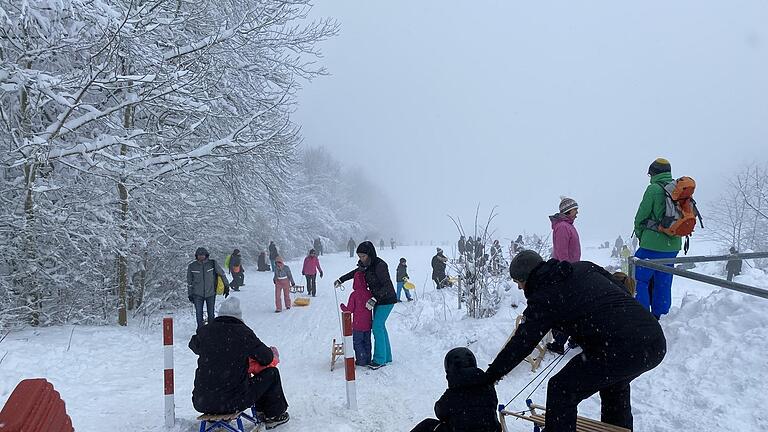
point(654, 288)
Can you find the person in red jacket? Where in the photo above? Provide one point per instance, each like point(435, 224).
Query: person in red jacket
point(362, 319)
point(310, 269)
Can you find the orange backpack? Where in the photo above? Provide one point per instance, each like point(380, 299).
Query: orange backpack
point(680, 214)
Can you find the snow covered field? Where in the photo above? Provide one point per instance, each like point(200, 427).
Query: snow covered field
point(713, 377)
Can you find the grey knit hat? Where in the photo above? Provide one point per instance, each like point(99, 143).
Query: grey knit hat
point(231, 308)
point(567, 204)
point(523, 264)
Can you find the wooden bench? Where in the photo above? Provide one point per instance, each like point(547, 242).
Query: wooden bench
point(35, 406)
point(297, 289)
point(210, 422)
point(583, 424)
point(337, 350)
point(538, 353)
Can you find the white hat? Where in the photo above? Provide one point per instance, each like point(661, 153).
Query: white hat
point(231, 307)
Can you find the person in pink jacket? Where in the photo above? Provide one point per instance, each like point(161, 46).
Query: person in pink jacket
point(565, 247)
point(565, 238)
point(310, 269)
point(362, 319)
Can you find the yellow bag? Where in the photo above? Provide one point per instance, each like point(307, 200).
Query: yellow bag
point(301, 301)
point(219, 285)
point(409, 285)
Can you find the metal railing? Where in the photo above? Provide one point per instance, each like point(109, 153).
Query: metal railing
point(661, 264)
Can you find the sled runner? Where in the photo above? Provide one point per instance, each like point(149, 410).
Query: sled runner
point(211, 422)
point(297, 289)
point(583, 424)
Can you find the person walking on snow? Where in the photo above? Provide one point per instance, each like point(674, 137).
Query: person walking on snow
point(654, 288)
point(620, 339)
point(223, 384)
point(402, 275)
point(318, 246)
point(438, 268)
point(733, 267)
point(236, 270)
point(310, 269)
point(201, 284)
point(351, 245)
point(382, 301)
point(283, 280)
point(362, 318)
point(273, 254)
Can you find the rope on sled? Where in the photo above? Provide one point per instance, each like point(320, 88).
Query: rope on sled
point(551, 366)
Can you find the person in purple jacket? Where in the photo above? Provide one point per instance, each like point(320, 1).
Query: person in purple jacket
point(362, 319)
point(565, 247)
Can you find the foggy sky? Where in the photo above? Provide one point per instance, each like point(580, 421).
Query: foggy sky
point(449, 104)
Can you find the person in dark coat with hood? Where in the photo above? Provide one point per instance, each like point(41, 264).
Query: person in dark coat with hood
point(317, 245)
point(470, 402)
point(734, 265)
point(236, 270)
point(262, 262)
point(620, 339)
point(201, 283)
point(383, 300)
point(438, 268)
point(273, 254)
point(222, 382)
point(351, 247)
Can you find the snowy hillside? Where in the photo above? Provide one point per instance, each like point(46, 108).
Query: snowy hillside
point(111, 378)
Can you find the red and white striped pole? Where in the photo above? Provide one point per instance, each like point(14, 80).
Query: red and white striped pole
point(349, 361)
point(170, 407)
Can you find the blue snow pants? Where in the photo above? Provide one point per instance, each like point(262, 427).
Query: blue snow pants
point(654, 288)
point(361, 341)
point(382, 351)
point(400, 288)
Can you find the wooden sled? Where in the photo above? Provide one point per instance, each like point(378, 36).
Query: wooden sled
point(537, 356)
point(301, 301)
point(583, 424)
point(211, 422)
point(297, 289)
point(337, 350)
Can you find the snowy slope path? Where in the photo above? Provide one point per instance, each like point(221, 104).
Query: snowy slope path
point(111, 378)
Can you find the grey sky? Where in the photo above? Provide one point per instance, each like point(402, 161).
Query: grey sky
point(447, 104)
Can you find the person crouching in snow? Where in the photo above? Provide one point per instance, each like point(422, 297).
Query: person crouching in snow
point(283, 280)
point(362, 319)
point(470, 402)
point(402, 275)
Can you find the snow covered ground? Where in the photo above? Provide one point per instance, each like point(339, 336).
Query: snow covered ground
point(712, 379)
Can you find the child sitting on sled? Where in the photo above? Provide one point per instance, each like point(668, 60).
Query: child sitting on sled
point(362, 318)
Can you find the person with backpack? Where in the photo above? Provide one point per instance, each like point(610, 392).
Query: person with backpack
point(438, 268)
point(223, 384)
point(309, 270)
point(382, 301)
point(273, 254)
point(236, 270)
point(654, 288)
point(620, 339)
point(469, 403)
point(202, 277)
point(402, 275)
point(362, 318)
point(351, 245)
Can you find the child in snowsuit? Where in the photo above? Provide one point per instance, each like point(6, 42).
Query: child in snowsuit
point(402, 275)
point(470, 402)
point(362, 319)
point(283, 280)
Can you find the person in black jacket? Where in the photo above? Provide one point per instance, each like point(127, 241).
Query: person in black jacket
point(273, 254)
point(470, 402)
point(351, 247)
point(438, 268)
point(733, 267)
point(222, 381)
point(383, 300)
point(236, 270)
point(262, 262)
point(401, 276)
point(620, 339)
